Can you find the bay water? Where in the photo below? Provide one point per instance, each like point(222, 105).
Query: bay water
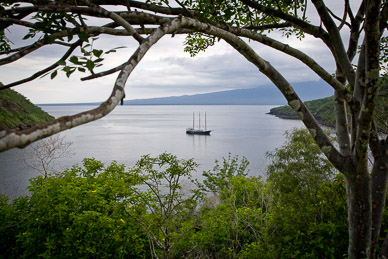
point(131, 131)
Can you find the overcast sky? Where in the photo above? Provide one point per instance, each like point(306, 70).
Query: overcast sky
point(166, 70)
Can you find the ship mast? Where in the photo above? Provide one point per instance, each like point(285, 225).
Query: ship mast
point(193, 120)
point(199, 120)
point(205, 121)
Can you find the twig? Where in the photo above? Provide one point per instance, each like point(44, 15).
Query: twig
point(42, 72)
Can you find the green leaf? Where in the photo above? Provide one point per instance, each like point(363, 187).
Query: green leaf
point(27, 36)
point(83, 36)
point(97, 52)
point(74, 60)
point(110, 51)
point(90, 65)
point(114, 49)
point(71, 71)
point(61, 62)
point(53, 74)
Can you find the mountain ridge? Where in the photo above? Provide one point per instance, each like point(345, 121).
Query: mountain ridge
point(264, 95)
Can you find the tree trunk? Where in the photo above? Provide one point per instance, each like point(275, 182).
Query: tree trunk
point(379, 192)
point(359, 214)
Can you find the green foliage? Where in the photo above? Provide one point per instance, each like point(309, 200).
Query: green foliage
point(237, 14)
point(49, 23)
point(322, 109)
point(381, 113)
point(299, 165)
point(308, 215)
point(98, 211)
point(9, 220)
point(197, 42)
point(4, 42)
point(233, 221)
point(17, 111)
point(76, 214)
point(217, 179)
point(170, 207)
point(90, 59)
point(233, 215)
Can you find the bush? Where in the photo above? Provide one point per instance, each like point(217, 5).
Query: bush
point(75, 214)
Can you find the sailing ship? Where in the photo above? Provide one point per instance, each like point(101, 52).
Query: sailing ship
point(199, 131)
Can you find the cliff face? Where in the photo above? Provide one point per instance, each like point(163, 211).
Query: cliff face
point(17, 112)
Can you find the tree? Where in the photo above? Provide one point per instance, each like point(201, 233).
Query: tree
point(308, 212)
point(76, 213)
point(64, 23)
point(42, 156)
point(169, 207)
point(233, 215)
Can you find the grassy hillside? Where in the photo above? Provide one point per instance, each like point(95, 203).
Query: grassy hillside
point(18, 112)
point(323, 110)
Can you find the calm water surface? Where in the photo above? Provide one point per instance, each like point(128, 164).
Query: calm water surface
point(132, 131)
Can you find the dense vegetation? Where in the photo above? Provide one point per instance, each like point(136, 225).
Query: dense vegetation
point(154, 210)
point(18, 112)
point(323, 110)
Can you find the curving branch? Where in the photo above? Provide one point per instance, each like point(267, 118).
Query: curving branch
point(355, 30)
point(336, 42)
point(119, 20)
point(104, 73)
point(12, 21)
point(343, 19)
point(31, 48)
point(147, 6)
point(46, 70)
point(269, 26)
point(315, 31)
point(308, 61)
point(12, 138)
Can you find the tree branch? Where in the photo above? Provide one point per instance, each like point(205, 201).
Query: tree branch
point(372, 46)
point(42, 72)
point(28, 49)
point(268, 26)
point(343, 19)
point(12, 21)
point(304, 26)
point(308, 61)
point(336, 42)
point(10, 139)
point(355, 30)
